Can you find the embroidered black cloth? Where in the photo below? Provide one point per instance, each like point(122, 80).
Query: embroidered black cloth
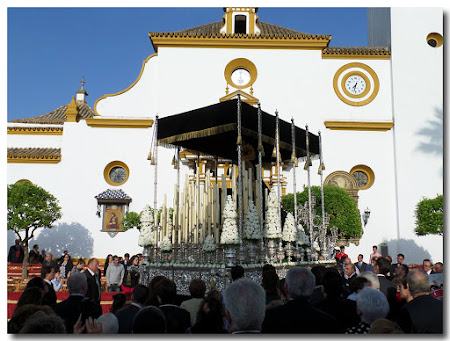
point(213, 130)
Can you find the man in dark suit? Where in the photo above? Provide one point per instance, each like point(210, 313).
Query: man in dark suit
point(47, 274)
point(77, 303)
point(178, 320)
point(297, 316)
point(126, 315)
point(48, 261)
point(381, 268)
point(424, 314)
point(245, 302)
point(360, 264)
point(93, 280)
point(400, 259)
point(15, 254)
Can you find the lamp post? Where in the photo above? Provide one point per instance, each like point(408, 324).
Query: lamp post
point(366, 216)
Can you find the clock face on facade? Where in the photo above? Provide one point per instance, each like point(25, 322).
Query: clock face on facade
point(118, 174)
point(356, 84)
point(240, 77)
point(240, 73)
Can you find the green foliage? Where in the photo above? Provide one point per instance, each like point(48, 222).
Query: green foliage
point(30, 207)
point(430, 216)
point(341, 207)
point(131, 220)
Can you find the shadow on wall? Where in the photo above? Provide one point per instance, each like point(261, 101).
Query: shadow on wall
point(72, 237)
point(414, 254)
point(433, 130)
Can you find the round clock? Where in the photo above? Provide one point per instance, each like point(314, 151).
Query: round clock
point(356, 84)
point(116, 173)
point(240, 73)
point(240, 77)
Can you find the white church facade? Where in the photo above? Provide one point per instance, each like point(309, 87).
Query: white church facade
point(374, 107)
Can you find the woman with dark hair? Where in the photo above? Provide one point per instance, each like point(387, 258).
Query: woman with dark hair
point(119, 301)
point(109, 259)
point(65, 267)
point(131, 275)
point(210, 316)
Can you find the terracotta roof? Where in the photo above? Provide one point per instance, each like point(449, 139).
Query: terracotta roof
point(34, 153)
point(267, 31)
point(58, 115)
point(365, 51)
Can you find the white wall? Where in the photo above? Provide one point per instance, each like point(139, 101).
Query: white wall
point(299, 83)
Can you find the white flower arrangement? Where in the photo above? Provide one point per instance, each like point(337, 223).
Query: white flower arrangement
point(272, 225)
point(230, 233)
point(147, 216)
point(166, 244)
point(316, 246)
point(289, 232)
point(252, 230)
point(209, 245)
point(146, 236)
point(302, 238)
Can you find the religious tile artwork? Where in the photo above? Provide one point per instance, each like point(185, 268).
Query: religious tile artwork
point(112, 217)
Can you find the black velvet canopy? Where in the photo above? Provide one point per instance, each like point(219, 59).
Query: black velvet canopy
point(213, 130)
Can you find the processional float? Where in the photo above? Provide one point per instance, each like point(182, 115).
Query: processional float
point(217, 224)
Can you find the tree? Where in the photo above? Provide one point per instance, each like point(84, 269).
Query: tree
point(341, 207)
point(30, 207)
point(430, 216)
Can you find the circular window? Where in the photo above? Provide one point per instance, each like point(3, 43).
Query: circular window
point(434, 39)
point(363, 175)
point(116, 173)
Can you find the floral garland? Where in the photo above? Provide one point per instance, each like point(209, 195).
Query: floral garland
point(289, 232)
point(230, 233)
point(147, 234)
point(166, 244)
point(252, 230)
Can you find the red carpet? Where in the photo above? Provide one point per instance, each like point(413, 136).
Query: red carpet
point(106, 300)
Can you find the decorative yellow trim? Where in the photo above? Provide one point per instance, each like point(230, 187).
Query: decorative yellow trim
point(108, 169)
point(125, 90)
point(376, 83)
point(368, 171)
point(437, 37)
point(31, 159)
point(118, 123)
point(24, 180)
point(238, 41)
point(73, 112)
point(363, 76)
point(241, 63)
point(36, 130)
point(364, 126)
point(245, 97)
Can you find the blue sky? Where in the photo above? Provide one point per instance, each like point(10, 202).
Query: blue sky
point(50, 49)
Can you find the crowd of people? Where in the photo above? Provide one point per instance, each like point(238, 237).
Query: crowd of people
point(378, 297)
